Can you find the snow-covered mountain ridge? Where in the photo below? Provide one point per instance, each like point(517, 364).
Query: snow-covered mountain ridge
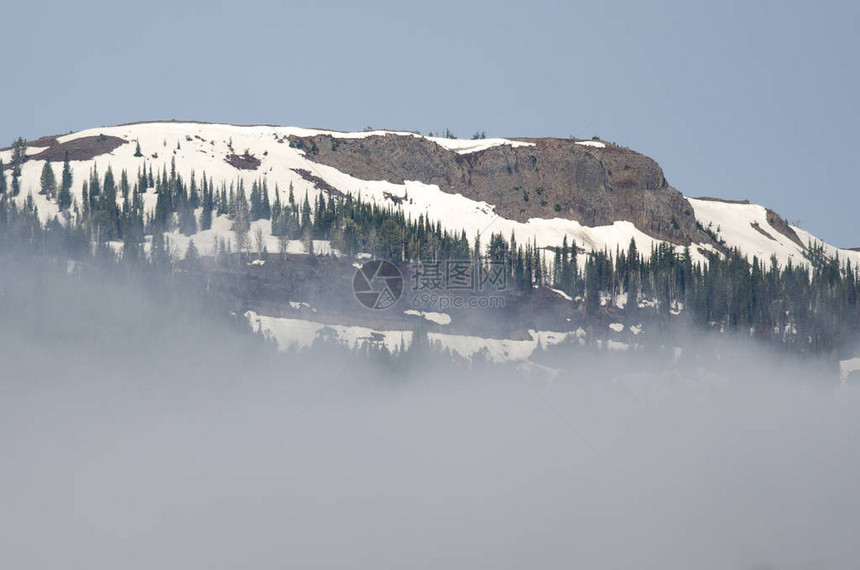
point(274, 156)
point(542, 192)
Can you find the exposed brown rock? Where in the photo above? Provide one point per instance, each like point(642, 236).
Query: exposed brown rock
point(317, 181)
point(779, 224)
point(759, 229)
point(44, 141)
point(246, 161)
point(84, 148)
point(553, 178)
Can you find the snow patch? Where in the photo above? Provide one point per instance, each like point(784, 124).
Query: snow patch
point(466, 146)
point(438, 318)
point(562, 294)
point(595, 144)
point(301, 333)
point(846, 367)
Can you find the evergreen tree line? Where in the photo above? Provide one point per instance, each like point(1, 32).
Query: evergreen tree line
point(811, 305)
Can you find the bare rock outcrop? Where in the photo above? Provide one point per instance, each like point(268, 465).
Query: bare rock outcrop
point(547, 179)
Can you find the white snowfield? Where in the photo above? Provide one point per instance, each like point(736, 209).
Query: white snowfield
point(737, 224)
point(202, 148)
point(299, 333)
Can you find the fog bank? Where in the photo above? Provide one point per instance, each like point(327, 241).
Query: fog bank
point(131, 433)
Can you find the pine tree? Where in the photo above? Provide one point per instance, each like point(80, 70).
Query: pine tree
point(193, 194)
point(537, 265)
point(191, 254)
point(319, 224)
point(266, 206)
point(85, 197)
point(161, 219)
point(187, 220)
point(19, 155)
point(48, 180)
point(256, 210)
point(109, 187)
point(592, 286)
point(108, 209)
point(66, 181)
point(137, 152)
point(206, 213)
point(631, 274)
point(241, 219)
point(519, 270)
point(223, 201)
point(306, 220)
point(124, 185)
point(277, 224)
point(2, 179)
point(95, 186)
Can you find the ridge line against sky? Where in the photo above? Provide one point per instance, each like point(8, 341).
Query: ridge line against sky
point(735, 100)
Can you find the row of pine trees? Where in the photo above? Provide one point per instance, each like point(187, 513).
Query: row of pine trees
point(813, 306)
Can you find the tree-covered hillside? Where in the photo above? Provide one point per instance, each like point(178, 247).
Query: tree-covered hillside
point(811, 307)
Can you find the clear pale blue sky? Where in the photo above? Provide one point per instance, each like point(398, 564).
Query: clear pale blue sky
point(752, 100)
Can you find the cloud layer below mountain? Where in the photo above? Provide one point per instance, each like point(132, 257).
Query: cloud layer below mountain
point(136, 434)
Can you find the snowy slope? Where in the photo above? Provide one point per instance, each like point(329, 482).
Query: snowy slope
point(202, 148)
point(746, 227)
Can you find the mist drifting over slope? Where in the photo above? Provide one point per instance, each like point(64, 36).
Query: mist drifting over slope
point(137, 433)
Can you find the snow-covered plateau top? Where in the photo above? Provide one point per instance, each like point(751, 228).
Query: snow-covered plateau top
point(200, 148)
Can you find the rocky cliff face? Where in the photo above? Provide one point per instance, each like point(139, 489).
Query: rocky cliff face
point(547, 179)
